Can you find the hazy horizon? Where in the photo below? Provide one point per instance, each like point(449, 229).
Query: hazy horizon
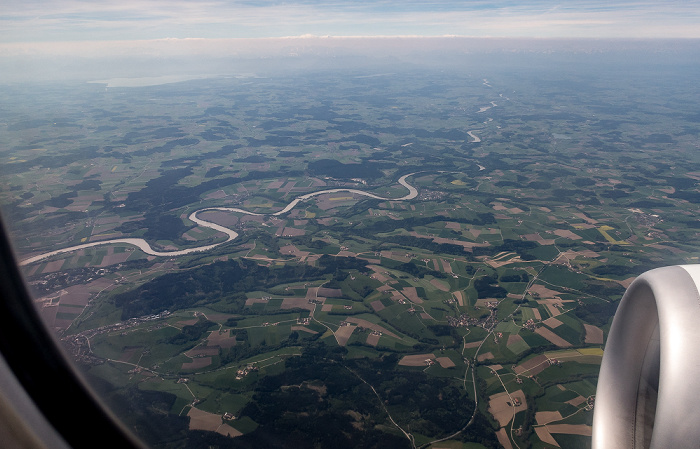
point(92, 61)
point(74, 39)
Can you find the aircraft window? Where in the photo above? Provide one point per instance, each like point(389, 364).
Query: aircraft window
point(333, 241)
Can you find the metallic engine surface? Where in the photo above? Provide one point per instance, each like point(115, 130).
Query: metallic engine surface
point(647, 395)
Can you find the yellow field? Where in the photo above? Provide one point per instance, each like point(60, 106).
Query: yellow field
point(604, 231)
point(562, 354)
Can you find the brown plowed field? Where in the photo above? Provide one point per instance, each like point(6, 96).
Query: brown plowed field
point(377, 305)
point(552, 322)
point(487, 356)
point(594, 335)
point(533, 366)
point(571, 429)
point(501, 408)
point(445, 362)
point(369, 325)
point(502, 436)
point(373, 339)
point(342, 335)
point(552, 337)
point(415, 360)
point(412, 294)
point(197, 363)
point(330, 292)
point(578, 400)
point(440, 285)
point(202, 350)
point(546, 437)
point(547, 417)
point(304, 329)
point(302, 303)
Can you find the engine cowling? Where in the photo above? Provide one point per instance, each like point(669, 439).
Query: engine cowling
point(648, 393)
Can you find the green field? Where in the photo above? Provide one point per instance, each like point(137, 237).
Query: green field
point(548, 214)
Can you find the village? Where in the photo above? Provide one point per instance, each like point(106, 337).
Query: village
point(78, 345)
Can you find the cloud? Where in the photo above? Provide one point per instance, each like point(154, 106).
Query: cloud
point(64, 20)
point(129, 36)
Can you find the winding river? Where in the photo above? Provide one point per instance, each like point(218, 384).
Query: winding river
point(146, 247)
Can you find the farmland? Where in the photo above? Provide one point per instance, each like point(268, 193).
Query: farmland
point(369, 321)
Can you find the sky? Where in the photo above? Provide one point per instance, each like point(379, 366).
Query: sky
point(130, 20)
point(100, 28)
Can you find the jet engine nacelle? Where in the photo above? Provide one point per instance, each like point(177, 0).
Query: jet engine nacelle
point(648, 393)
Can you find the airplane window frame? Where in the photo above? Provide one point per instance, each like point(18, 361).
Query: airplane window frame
point(40, 365)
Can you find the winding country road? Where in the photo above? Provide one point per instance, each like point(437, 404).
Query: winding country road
point(146, 247)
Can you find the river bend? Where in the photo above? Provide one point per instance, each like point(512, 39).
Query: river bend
point(146, 247)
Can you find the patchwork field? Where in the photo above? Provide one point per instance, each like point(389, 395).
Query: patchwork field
point(399, 230)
